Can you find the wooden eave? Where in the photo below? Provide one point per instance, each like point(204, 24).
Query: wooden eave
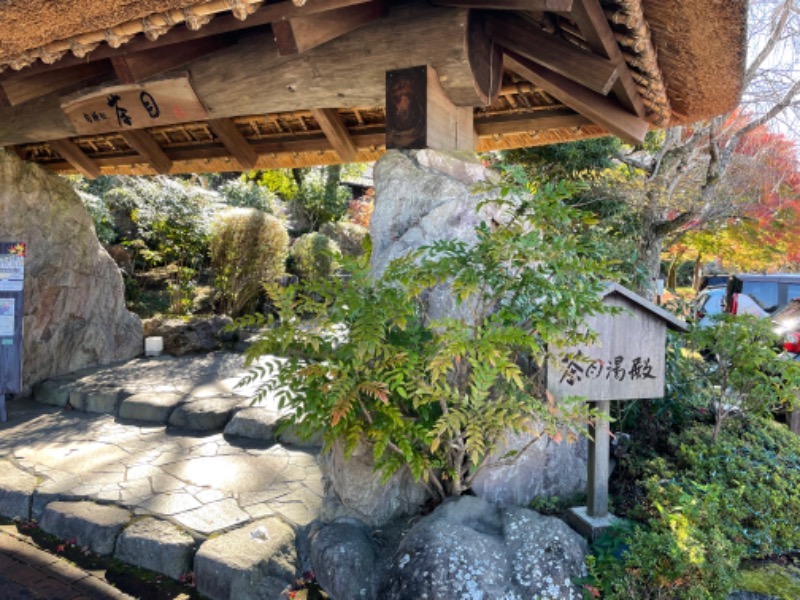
point(557, 71)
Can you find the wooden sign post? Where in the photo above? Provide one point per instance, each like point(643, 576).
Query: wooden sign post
point(12, 273)
point(627, 362)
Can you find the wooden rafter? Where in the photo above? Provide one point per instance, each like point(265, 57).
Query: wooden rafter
point(599, 109)
point(23, 89)
point(234, 142)
point(137, 66)
point(300, 34)
point(540, 121)
point(593, 24)
point(144, 144)
point(70, 152)
point(588, 69)
point(336, 131)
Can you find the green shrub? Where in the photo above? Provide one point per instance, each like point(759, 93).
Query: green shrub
point(363, 362)
point(244, 193)
point(248, 249)
point(314, 256)
point(348, 236)
point(706, 506)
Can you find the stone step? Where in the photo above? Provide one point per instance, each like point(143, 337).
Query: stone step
point(91, 525)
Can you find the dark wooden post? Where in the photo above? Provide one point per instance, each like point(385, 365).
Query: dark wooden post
point(420, 115)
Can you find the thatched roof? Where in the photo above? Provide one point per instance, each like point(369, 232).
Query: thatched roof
point(681, 61)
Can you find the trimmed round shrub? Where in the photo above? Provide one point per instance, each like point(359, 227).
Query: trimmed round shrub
point(349, 237)
point(248, 248)
point(314, 256)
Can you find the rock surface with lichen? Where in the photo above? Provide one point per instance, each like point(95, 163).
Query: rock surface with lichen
point(74, 301)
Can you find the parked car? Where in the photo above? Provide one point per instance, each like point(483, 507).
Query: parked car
point(786, 323)
point(709, 302)
point(760, 295)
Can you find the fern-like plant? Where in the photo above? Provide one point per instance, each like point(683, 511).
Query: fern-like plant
point(360, 360)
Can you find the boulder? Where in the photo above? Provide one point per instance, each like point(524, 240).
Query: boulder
point(156, 545)
point(253, 422)
point(344, 556)
point(94, 526)
point(74, 305)
point(16, 490)
point(353, 489)
point(183, 337)
point(542, 468)
point(155, 407)
point(204, 414)
point(252, 563)
point(469, 548)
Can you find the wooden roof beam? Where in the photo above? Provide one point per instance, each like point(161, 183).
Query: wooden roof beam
point(527, 5)
point(148, 148)
point(298, 34)
point(527, 40)
point(235, 142)
point(336, 131)
point(593, 24)
point(599, 109)
point(70, 152)
point(527, 122)
point(136, 66)
point(22, 89)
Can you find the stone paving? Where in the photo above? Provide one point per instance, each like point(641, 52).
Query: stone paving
point(199, 480)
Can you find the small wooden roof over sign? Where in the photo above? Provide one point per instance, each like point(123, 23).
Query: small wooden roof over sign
point(628, 360)
point(156, 86)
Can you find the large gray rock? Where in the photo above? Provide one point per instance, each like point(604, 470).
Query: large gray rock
point(150, 406)
point(253, 422)
point(471, 549)
point(204, 414)
point(544, 468)
point(252, 563)
point(95, 526)
point(156, 545)
point(16, 491)
point(75, 313)
point(344, 558)
point(354, 489)
point(189, 337)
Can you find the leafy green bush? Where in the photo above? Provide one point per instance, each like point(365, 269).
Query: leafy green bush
point(706, 506)
point(363, 362)
point(248, 249)
point(314, 256)
point(746, 371)
point(246, 193)
point(348, 236)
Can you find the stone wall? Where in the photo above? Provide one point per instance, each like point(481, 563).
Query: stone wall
point(75, 313)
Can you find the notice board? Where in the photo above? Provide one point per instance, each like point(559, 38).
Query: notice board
point(12, 279)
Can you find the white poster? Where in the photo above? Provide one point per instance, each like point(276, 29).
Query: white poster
point(7, 317)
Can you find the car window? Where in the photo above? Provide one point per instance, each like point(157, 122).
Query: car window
point(711, 304)
point(765, 293)
point(793, 291)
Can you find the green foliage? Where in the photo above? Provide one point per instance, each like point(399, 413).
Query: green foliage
point(746, 371)
point(782, 582)
point(565, 161)
point(101, 217)
point(172, 220)
point(363, 362)
point(349, 237)
point(246, 193)
point(314, 256)
point(248, 249)
point(319, 197)
point(706, 507)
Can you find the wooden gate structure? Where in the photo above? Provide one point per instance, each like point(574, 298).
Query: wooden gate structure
point(175, 86)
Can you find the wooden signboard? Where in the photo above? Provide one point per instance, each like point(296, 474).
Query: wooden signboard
point(12, 273)
point(135, 106)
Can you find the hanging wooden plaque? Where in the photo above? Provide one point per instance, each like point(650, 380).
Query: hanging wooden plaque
point(134, 106)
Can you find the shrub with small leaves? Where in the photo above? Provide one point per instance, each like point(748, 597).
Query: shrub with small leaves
point(248, 249)
point(314, 256)
point(348, 236)
point(363, 362)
